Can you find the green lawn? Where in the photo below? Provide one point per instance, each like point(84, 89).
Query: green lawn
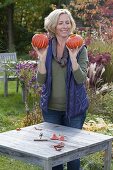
point(12, 112)
point(11, 107)
point(7, 163)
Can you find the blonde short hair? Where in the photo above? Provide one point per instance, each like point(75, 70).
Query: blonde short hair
point(51, 20)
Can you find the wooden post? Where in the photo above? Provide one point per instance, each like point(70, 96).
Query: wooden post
point(23, 94)
point(17, 85)
point(5, 84)
point(107, 156)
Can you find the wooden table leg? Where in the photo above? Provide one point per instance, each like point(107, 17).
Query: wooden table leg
point(47, 166)
point(107, 157)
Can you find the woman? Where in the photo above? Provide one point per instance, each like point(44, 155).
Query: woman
point(62, 73)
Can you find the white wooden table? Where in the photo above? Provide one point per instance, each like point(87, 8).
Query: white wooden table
point(21, 145)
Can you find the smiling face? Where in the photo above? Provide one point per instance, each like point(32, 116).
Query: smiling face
point(63, 27)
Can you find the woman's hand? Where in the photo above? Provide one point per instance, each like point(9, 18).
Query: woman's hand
point(41, 53)
point(73, 54)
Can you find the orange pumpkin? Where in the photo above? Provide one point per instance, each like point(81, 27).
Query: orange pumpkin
point(74, 41)
point(40, 41)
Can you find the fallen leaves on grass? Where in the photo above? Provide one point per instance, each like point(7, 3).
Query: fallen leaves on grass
point(97, 125)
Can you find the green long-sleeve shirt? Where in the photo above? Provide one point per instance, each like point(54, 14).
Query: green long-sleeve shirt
point(58, 91)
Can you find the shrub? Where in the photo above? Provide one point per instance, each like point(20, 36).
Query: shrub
point(27, 74)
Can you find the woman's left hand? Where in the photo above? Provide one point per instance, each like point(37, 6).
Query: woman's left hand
point(73, 53)
point(73, 57)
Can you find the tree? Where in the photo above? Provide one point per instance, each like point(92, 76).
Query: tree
point(10, 14)
point(8, 7)
point(24, 15)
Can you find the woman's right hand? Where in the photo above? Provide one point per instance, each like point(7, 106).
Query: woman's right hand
point(41, 53)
